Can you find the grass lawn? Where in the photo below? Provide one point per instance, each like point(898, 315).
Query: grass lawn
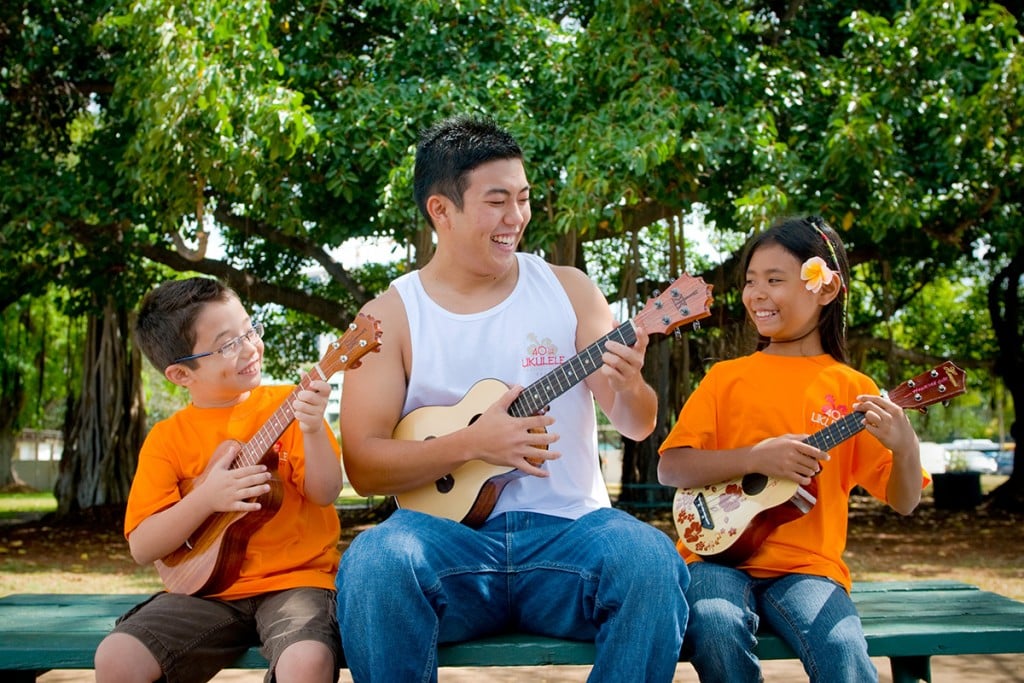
point(86, 555)
point(15, 505)
point(77, 556)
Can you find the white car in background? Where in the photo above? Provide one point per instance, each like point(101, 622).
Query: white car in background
point(972, 455)
point(933, 457)
point(975, 461)
point(966, 455)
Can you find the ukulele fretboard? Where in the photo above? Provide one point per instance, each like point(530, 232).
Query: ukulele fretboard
point(254, 449)
point(837, 432)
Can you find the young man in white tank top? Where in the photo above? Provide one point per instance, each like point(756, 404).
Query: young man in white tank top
point(551, 556)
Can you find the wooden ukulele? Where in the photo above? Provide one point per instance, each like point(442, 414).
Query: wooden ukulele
point(469, 493)
point(212, 556)
point(727, 522)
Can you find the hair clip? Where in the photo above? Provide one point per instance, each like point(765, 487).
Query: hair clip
point(816, 273)
point(819, 225)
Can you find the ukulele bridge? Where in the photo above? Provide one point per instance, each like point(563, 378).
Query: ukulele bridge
point(803, 499)
point(700, 504)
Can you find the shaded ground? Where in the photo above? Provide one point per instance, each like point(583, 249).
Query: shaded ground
point(976, 546)
point(89, 554)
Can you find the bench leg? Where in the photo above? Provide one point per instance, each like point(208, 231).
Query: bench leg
point(911, 669)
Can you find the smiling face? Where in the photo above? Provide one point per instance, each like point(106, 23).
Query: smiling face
point(495, 211)
point(779, 303)
point(216, 381)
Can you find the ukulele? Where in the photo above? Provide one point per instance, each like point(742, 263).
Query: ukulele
point(726, 522)
point(469, 493)
point(211, 558)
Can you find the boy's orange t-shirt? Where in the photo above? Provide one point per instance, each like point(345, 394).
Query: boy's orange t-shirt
point(297, 547)
point(744, 401)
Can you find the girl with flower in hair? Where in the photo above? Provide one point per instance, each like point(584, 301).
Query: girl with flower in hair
point(751, 415)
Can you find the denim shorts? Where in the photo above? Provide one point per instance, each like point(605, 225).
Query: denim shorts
point(193, 638)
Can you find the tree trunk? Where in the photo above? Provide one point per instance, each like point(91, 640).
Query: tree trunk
point(8, 446)
point(107, 423)
point(640, 459)
point(12, 399)
point(1004, 307)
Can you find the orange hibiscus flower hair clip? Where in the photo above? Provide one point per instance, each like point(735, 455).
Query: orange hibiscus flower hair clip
point(816, 273)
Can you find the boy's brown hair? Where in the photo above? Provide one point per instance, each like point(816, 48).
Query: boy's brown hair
point(165, 328)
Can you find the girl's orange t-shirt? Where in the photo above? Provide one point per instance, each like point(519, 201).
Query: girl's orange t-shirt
point(744, 401)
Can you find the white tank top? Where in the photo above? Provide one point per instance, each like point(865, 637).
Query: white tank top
point(519, 341)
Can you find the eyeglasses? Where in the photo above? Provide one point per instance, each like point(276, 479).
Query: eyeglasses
point(230, 348)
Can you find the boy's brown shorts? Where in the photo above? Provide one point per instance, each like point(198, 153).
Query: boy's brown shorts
point(193, 638)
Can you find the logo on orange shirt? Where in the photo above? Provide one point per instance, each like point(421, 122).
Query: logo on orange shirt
point(830, 412)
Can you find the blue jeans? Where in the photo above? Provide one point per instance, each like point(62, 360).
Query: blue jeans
point(813, 614)
point(416, 580)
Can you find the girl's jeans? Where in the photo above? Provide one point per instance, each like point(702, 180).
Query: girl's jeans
point(814, 615)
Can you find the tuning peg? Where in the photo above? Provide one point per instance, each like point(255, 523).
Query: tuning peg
point(678, 333)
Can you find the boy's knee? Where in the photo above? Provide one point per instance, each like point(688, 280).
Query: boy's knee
point(121, 657)
point(306, 660)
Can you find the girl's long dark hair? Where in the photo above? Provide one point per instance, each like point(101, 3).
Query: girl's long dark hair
point(804, 238)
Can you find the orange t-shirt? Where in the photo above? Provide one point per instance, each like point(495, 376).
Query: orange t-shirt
point(744, 401)
point(297, 547)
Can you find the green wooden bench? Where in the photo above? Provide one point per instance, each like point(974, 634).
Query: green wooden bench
point(641, 497)
point(907, 622)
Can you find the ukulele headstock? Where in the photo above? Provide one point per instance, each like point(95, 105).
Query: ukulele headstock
point(937, 385)
point(346, 352)
point(687, 299)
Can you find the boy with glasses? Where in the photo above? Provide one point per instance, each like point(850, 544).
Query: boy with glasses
point(197, 332)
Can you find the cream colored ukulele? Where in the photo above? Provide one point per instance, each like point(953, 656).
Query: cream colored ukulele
point(212, 556)
point(469, 493)
point(727, 522)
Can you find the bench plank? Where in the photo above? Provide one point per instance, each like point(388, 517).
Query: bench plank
point(907, 621)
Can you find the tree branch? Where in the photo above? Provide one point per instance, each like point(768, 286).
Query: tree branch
point(296, 245)
point(338, 314)
point(254, 288)
point(889, 349)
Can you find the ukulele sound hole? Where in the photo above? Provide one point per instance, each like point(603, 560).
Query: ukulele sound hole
point(754, 483)
point(447, 482)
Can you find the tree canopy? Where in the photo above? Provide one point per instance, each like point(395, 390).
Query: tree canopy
point(134, 133)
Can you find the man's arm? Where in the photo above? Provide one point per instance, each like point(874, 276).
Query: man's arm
point(618, 385)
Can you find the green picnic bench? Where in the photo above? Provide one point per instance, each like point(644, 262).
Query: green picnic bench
point(906, 621)
point(642, 497)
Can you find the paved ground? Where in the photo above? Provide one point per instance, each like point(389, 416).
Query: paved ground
point(988, 669)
